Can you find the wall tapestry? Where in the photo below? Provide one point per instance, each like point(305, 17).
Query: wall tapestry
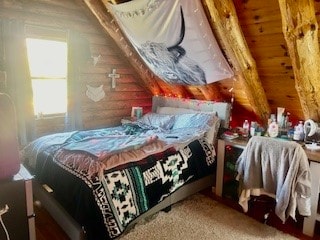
point(174, 39)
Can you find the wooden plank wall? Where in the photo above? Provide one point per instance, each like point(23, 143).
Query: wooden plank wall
point(262, 27)
point(118, 102)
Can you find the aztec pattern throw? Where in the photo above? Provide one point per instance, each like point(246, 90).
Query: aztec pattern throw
point(119, 194)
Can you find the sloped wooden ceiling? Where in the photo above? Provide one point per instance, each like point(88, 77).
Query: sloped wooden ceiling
point(271, 45)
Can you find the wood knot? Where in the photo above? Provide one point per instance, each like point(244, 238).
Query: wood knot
point(313, 27)
point(228, 15)
point(283, 46)
point(270, 101)
point(301, 35)
point(260, 29)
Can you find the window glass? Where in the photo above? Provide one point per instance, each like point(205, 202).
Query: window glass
point(48, 70)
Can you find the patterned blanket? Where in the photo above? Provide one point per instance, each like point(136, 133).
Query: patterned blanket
point(103, 147)
point(122, 193)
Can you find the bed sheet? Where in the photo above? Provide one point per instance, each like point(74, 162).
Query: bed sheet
point(104, 200)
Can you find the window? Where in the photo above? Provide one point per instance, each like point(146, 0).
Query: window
point(48, 70)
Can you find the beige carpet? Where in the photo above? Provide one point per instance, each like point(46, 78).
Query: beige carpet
point(199, 217)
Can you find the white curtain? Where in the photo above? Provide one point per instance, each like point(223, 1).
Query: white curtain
point(174, 39)
point(18, 85)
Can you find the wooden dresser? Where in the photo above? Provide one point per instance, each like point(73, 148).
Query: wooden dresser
point(18, 218)
point(314, 159)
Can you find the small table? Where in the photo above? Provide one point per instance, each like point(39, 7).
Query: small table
point(128, 120)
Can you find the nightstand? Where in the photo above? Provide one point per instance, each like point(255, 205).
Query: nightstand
point(17, 195)
point(127, 120)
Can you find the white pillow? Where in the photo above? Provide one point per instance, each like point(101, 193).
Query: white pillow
point(213, 127)
point(193, 120)
point(204, 121)
point(174, 110)
point(162, 121)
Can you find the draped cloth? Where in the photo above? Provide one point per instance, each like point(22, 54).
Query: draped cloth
point(18, 84)
point(174, 39)
point(276, 168)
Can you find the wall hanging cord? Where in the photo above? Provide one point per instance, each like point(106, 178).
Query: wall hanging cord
point(3, 211)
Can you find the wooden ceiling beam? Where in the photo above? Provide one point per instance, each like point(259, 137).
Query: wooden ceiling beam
point(211, 92)
point(110, 26)
point(225, 20)
point(155, 84)
point(152, 82)
point(300, 29)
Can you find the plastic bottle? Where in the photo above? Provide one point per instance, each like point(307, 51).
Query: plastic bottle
point(246, 127)
point(299, 132)
point(273, 129)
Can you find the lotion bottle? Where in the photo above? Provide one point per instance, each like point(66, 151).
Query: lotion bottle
point(246, 128)
point(273, 129)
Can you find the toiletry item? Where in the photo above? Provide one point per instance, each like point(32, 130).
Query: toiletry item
point(280, 114)
point(253, 127)
point(246, 127)
point(273, 129)
point(252, 131)
point(298, 134)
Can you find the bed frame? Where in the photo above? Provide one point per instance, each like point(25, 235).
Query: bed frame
point(75, 231)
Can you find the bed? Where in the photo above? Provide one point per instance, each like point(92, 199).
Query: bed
point(98, 183)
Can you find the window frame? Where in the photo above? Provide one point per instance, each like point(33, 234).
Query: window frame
point(50, 34)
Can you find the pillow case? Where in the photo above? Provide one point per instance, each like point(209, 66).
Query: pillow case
point(174, 110)
point(204, 121)
point(198, 120)
point(163, 121)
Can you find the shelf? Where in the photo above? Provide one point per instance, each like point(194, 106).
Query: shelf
point(238, 145)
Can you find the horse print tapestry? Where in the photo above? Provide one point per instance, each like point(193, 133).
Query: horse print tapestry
point(174, 39)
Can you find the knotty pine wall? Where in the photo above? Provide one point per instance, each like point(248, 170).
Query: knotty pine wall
point(261, 25)
point(118, 102)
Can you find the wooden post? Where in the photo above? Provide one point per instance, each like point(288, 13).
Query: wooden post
point(224, 18)
point(300, 29)
point(150, 80)
point(111, 27)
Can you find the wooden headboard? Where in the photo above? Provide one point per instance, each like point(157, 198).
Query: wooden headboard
point(222, 109)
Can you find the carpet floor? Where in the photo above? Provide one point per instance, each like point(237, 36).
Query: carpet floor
point(200, 217)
